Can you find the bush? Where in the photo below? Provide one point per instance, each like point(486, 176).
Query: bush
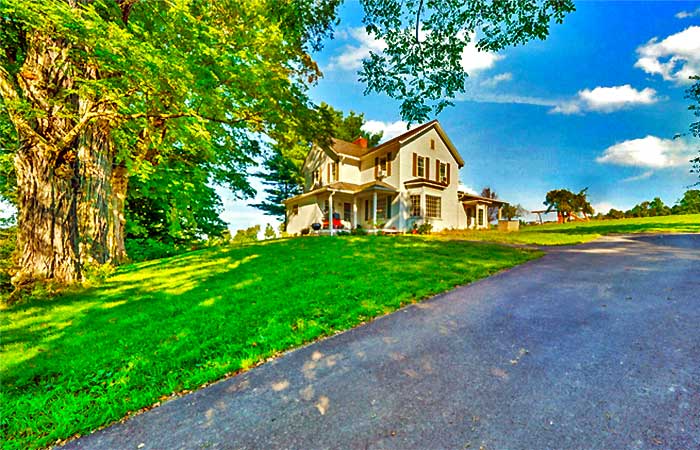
point(359, 231)
point(304, 231)
point(145, 249)
point(425, 228)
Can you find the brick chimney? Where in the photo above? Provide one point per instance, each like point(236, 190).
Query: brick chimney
point(362, 142)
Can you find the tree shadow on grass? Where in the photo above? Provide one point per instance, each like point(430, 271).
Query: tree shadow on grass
point(160, 327)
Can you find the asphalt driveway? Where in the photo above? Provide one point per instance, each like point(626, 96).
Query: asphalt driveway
point(590, 347)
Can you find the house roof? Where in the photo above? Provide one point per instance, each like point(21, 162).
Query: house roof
point(348, 148)
point(341, 147)
point(413, 134)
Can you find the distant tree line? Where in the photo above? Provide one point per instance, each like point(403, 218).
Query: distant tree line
point(689, 204)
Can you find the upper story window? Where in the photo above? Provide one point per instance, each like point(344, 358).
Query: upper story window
point(442, 175)
point(421, 167)
point(332, 172)
point(432, 144)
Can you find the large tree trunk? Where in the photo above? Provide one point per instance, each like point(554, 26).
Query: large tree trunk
point(101, 199)
point(69, 213)
point(47, 233)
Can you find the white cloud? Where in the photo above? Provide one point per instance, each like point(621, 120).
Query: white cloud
point(468, 189)
point(649, 152)
point(606, 99)
point(497, 79)
point(390, 129)
point(482, 97)
point(352, 55)
point(675, 58)
point(475, 61)
point(641, 176)
point(687, 14)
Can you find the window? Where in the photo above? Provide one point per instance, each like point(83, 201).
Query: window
point(317, 177)
point(432, 206)
point(415, 205)
point(432, 144)
point(382, 165)
point(481, 217)
point(366, 210)
point(332, 172)
point(295, 210)
point(347, 212)
point(325, 210)
point(421, 167)
point(388, 207)
point(381, 207)
point(443, 173)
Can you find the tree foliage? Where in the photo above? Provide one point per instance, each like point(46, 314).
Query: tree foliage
point(425, 40)
point(689, 204)
point(510, 212)
point(348, 127)
point(282, 173)
point(567, 204)
point(491, 211)
point(96, 92)
point(246, 236)
point(97, 95)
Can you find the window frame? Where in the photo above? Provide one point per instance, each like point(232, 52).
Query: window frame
point(442, 176)
point(433, 211)
point(420, 166)
point(415, 206)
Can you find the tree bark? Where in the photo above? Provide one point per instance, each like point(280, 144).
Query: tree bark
point(70, 195)
point(47, 234)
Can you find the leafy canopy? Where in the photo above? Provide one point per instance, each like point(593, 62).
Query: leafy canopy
point(567, 203)
point(421, 64)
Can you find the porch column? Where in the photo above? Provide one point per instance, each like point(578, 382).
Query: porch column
point(330, 213)
point(374, 208)
point(354, 212)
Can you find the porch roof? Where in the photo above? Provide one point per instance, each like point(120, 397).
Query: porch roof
point(346, 188)
point(472, 199)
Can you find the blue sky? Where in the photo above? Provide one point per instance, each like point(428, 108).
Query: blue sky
point(595, 105)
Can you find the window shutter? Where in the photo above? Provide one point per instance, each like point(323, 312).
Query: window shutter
point(376, 167)
point(448, 173)
point(388, 164)
point(415, 164)
point(427, 168)
point(329, 172)
point(437, 170)
point(337, 170)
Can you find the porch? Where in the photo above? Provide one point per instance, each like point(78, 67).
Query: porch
point(346, 206)
point(476, 209)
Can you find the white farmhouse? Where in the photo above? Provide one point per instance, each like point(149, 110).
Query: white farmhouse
point(410, 179)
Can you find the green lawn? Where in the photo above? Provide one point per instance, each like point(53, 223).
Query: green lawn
point(85, 359)
point(578, 232)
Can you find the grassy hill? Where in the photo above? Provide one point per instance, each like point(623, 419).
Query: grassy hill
point(579, 232)
point(88, 358)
